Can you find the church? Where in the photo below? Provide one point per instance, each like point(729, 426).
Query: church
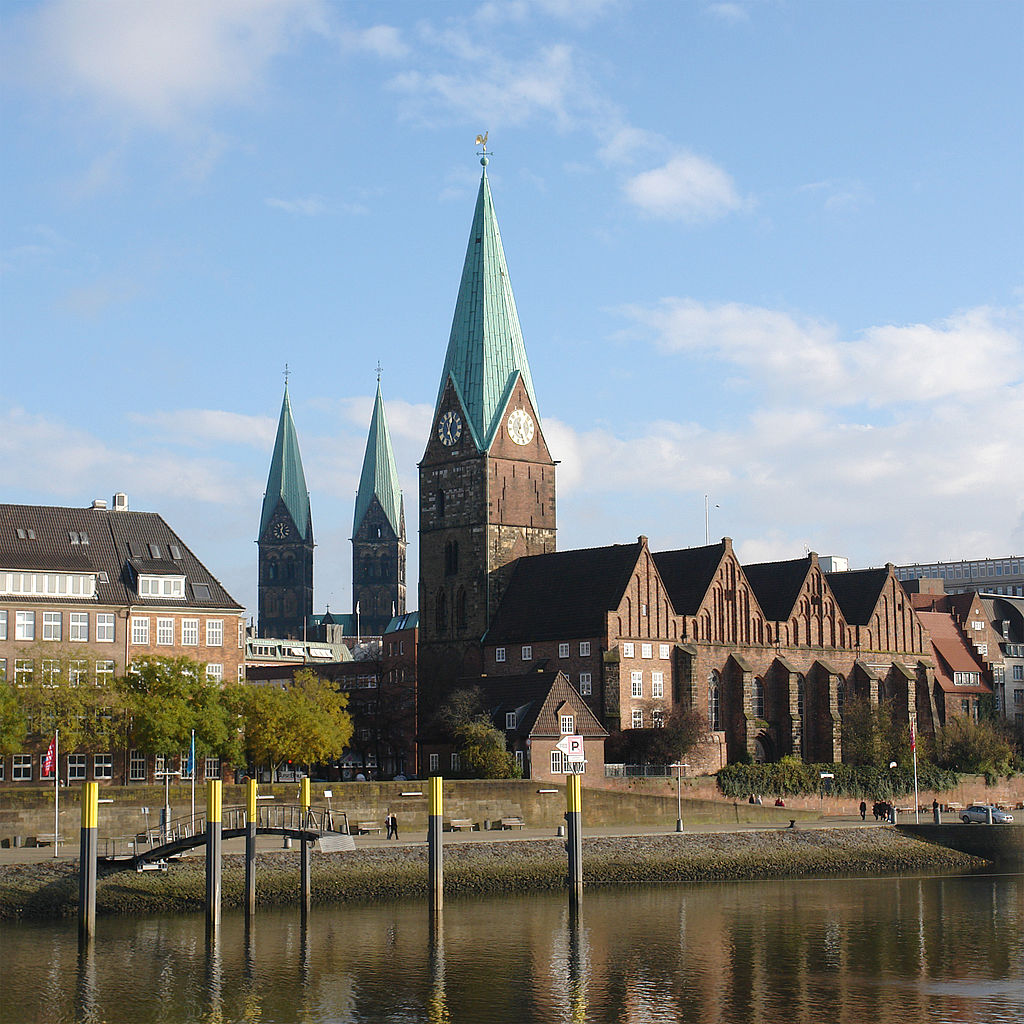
point(767, 653)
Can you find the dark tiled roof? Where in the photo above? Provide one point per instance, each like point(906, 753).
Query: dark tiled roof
point(777, 584)
point(536, 697)
point(563, 594)
point(857, 592)
point(688, 573)
point(108, 542)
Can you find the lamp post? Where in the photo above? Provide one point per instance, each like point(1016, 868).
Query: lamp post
point(165, 812)
point(679, 794)
point(892, 786)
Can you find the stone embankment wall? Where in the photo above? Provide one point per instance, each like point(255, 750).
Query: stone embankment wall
point(30, 812)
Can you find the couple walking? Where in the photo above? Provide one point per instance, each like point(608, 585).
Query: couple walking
point(391, 821)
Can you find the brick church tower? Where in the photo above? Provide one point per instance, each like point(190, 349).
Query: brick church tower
point(378, 532)
point(487, 479)
point(285, 539)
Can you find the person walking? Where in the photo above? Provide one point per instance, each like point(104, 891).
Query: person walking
point(863, 811)
point(388, 818)
point(393, 825)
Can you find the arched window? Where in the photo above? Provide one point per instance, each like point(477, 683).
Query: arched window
point(758, 699)
point(442, 611)
point(289, 569)
point(272, 569)
point(460, 609)
point(714, 704)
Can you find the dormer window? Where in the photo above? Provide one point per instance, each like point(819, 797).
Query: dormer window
point(510, 719)
point(172, 587)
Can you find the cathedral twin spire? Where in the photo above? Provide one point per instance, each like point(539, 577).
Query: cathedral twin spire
point(379, 476)
point(286, 481)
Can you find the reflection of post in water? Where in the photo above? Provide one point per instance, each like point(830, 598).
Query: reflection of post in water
point(251, 995)
point(85, 985)
point(305, 954)
point(577, 982)
point(437, 1000)
point(214, 976)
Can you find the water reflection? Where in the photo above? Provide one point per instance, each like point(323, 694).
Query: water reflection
point(888, 950)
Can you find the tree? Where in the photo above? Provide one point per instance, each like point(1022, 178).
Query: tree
point(13, 725)
point(669, 744)
point(965, 745)
point(483, 754)
point(306, 721)
point(168, 698)
point(871, 734)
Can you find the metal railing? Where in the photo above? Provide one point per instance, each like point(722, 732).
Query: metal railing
point(639, 771)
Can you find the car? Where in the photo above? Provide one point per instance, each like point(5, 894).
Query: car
point(979, 813)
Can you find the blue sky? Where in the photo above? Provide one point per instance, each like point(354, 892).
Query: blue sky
point(770, 252)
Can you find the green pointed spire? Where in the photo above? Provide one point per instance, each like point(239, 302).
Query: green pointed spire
point(485, 349)
point(380, 474)
point(287, 482)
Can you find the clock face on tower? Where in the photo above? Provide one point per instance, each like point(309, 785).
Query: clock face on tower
point(279, 531)
point(449, 428)
point(520, 427)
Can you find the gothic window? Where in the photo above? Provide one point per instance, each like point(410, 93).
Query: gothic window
point(385, 568)
point(377, 533)
point(289, 570)
point(758, 699)
point(440, 504)
point(714, 704)
point(442, 611)
point(289, 605)
point(451, 558)
point(272, 569)
point(460, 609)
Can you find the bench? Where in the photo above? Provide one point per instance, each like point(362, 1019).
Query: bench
point(49, 839)
point(458, 824)
point(365, 827)
point(512, 822)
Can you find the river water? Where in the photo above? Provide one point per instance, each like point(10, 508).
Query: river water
point(838, 950)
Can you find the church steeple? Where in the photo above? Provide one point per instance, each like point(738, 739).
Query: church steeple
point(285, 539)
point(379, 478)
point(486, 352)
point(286, 481)
point(378, 531)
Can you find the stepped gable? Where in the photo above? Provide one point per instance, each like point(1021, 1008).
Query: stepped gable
point(379, 476)
point(776, 585)
point(110, 543)
point(486, 352)
point(286, 481)
point(857, 592)
point(688, 573)
point(564, 594)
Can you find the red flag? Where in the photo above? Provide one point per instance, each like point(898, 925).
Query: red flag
point(51, 757)
point(913, 738)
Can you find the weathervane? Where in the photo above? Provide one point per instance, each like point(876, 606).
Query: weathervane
point(481, 140)
point(287, 373)
point(380, 370)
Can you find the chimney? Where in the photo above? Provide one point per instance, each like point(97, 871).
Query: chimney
point(120, 502)
point(99, 503)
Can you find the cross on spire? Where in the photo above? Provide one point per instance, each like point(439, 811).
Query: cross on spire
point(287, 373)
point(380, 370)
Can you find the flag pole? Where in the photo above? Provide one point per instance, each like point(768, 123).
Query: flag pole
point(56, 791)
point(192, 772)
point(913, 748)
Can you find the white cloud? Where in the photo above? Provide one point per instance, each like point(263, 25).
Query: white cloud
point(732, 13)
point(307, 206)
point(687, 188)
point(209, 426)
point(887, 364)
point(164, 60)
point(380, 40)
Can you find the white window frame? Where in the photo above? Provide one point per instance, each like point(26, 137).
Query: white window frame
point(24, 625)
point(628, 649)
point(636, 682)
point(657, 684)
point(456, 761)
point(165, 632)
point(140, 629)
point(21, 768)
point(214, 632)
point(190, 632)
point(567, 724)
point(435, 764)
point(105, 627)
point(557, 763)
point(136, 766)
point(658, 718)
point(215, 671)
point(50, 671)
point(78, 767)
point(105, 670)
point(511, 720)
point(53, 625)
point(102, 766)
point(241, 673)
point(78, 671)
point(78, 627)
point(646, 650)
point(3, 623)
point(586, 684)
point(584, 648)
point(241, 634)
point(638, 718)
point(211, 768)
point(24, 671)
point(527, 654)
point(499, 653)
point(563, 650)
point(664, 651)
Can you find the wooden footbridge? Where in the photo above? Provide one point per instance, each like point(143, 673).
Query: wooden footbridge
point(155, 846)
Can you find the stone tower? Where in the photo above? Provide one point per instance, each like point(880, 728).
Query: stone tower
point(285, 539)
point(487, 479)
point(378, 532)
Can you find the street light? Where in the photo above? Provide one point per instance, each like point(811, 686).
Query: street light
point(165, 812)
point(679, 794)
point(892, 786)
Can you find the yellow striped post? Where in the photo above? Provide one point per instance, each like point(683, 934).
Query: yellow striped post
point(250, 847)
point(306, 848)
point(214, 824)
point(574, 844)
point(434, 842)
point(87, 862)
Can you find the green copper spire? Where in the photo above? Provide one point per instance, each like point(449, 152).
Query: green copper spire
point(287, 482)
point(485, 349)
point(380, 474)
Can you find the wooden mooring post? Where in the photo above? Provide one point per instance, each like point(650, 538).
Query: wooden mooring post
point(214, 803)
point(250, 848)
point(87, 863)
point(574, 840)
point(435, 848)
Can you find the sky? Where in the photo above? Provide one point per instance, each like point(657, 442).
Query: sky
point(767, 252)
